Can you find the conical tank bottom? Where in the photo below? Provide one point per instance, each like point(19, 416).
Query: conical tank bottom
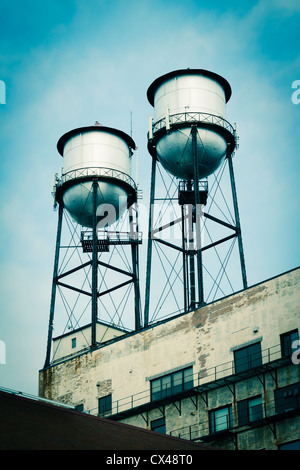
point(111, 203)
point(176, 154)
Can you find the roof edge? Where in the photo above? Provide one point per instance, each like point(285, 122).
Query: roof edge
point(222, 81)
point(98, 128)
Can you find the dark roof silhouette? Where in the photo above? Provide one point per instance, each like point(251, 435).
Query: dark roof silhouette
point(30, 424)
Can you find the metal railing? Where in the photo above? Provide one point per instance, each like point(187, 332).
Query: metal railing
point(200, 379)
point(190, 185)
point(112, 237)
point(90, 172)
point(194, 117)
point(266, 412)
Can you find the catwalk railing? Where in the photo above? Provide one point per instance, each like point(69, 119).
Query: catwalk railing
point(267, 412)
point(90, 172)
point(204, 380)
point(193, 117)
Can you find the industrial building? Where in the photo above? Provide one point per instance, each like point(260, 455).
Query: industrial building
point(221, 371)
point(227, 374)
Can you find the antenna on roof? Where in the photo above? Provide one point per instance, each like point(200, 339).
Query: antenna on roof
point(131, 113)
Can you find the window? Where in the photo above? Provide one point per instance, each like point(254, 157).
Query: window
point(79, 407)
point(288, 347)
point(247, 358)
point(73, 342)
point(172, 384)
point(287, 398)
point(159, 425)
point(220, 419)
point(249, 410)
point(295, 445)
point(104, 405)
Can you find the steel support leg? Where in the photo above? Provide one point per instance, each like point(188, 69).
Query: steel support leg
point(197, 218)
point(191, 254)
point(149, 250)
point(135, 269)
point(54, 285)
point(237, 221)
point(184, 260)
point(94, 267)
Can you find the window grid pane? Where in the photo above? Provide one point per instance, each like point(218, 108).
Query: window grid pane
point(156, 389)
point(287, 340)
point(172, 384)
point(287, 398)
point(247, 358)
point(255, 409)
point(177, 382)
point(188, 378)
point(105, 405)
point(220, 419)
point(166, 386)
point(159, 425)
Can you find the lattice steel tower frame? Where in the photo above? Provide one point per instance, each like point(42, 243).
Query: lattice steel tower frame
point(189, 141)
point(97, 218)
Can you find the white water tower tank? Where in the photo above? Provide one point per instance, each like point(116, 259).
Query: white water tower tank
point(102, 154)
point(181, 99)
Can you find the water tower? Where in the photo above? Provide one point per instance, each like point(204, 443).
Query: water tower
point(190, 141)
point(97, 222)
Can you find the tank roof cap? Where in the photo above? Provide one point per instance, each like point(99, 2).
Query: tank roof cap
point(188, 71)
point(97, 127)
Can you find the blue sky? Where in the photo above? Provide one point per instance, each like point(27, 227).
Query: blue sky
point(69, 63)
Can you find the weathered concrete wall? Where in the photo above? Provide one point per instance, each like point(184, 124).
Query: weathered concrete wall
point(63, 346)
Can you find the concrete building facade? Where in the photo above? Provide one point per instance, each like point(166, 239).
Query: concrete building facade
point(227, 374)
